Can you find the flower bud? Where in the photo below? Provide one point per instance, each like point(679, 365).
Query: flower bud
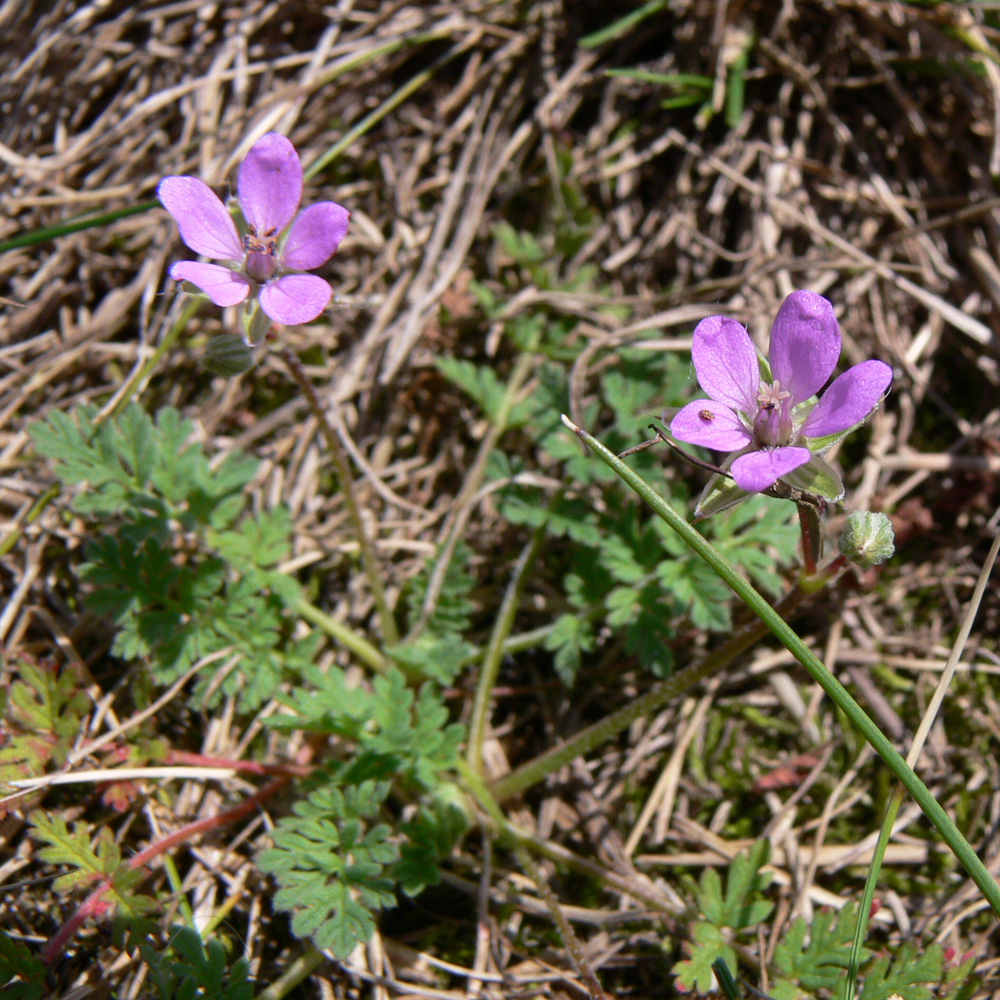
point(867, 539)
point(228, 355)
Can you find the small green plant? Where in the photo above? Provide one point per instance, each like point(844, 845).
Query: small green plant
point(725, 914)
point(43, 713)
point(191, 967)
point(180, 566)
point(184, 571)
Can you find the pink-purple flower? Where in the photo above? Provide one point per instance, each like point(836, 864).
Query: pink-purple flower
point(262, 261)
point(769, 419)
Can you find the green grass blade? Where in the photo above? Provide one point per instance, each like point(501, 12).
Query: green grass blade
point(46, 233)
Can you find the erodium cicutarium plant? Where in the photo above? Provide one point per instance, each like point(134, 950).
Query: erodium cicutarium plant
point(768, 416)
point(260, 262)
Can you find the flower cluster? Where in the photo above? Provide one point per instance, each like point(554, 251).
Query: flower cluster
point(255, 262)
point(767, 415)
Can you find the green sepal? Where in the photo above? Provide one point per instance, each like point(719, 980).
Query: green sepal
point(719, 494)
point(765, 369)
point(228, 355)
point(818, 478)
point(256, 324)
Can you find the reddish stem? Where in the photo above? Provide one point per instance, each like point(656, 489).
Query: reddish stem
point(96, 905)
point(243, 766)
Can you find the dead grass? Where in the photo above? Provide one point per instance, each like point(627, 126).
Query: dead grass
point(863, 166)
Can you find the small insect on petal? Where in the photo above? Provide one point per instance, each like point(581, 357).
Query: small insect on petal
point(707, 415)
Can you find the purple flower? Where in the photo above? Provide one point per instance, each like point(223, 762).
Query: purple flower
point(770, 419)
point(269, 187)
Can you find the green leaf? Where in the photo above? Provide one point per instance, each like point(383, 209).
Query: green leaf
point(45, 707)
point(708, 944)
point(452, 614)
point(429, 837)
point(411, 733)
point(438, 658)
point(820, 964)
point(195, 968)
point(695, 587)
point(571, 636)
point(911, 975)
point(330, 864)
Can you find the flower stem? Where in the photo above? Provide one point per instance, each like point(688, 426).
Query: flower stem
point(495, 650)
point(339, 632)
point(789, 639)
point(812, 536)
point(390, 634)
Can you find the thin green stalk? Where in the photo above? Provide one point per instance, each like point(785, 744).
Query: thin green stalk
point(789, 639)
point(385, 108)
point(339, 632)
point(300, 970)
point(673, 687)
point(125, 393)
point(341, 464)
point(34, 513)
point(495, 650)
point(45, 233)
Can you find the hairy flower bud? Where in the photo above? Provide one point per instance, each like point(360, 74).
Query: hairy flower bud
point(867, 539)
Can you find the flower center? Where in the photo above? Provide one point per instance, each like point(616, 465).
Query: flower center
point(261, 260)
point(773, 424)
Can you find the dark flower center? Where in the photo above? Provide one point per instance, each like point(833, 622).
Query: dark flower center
point(773, 424)
point(261, 260)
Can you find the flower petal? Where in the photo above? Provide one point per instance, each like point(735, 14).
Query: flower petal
point(315, 235)
point(726, 363)
point(222, 286)
point(850, 398)
point(758, 470)
point(805, 344)
point(711, 425)
point(269, 184)
point(205, 225)
point(296, 298)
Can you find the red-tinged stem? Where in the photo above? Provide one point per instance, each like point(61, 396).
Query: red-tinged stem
point(243, 766)
point(812, 536)
point(96, 905)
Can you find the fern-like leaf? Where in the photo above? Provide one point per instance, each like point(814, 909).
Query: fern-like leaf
point(330, 863)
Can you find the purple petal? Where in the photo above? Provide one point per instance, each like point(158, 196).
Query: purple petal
point(296, 298)
point(757, 470)
point(269, 184)
point(711, 425)
point(222, 286)
point(315, 235)
point(805, 344)
point(205, 225)
point(726, 363)
point(850, 398)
